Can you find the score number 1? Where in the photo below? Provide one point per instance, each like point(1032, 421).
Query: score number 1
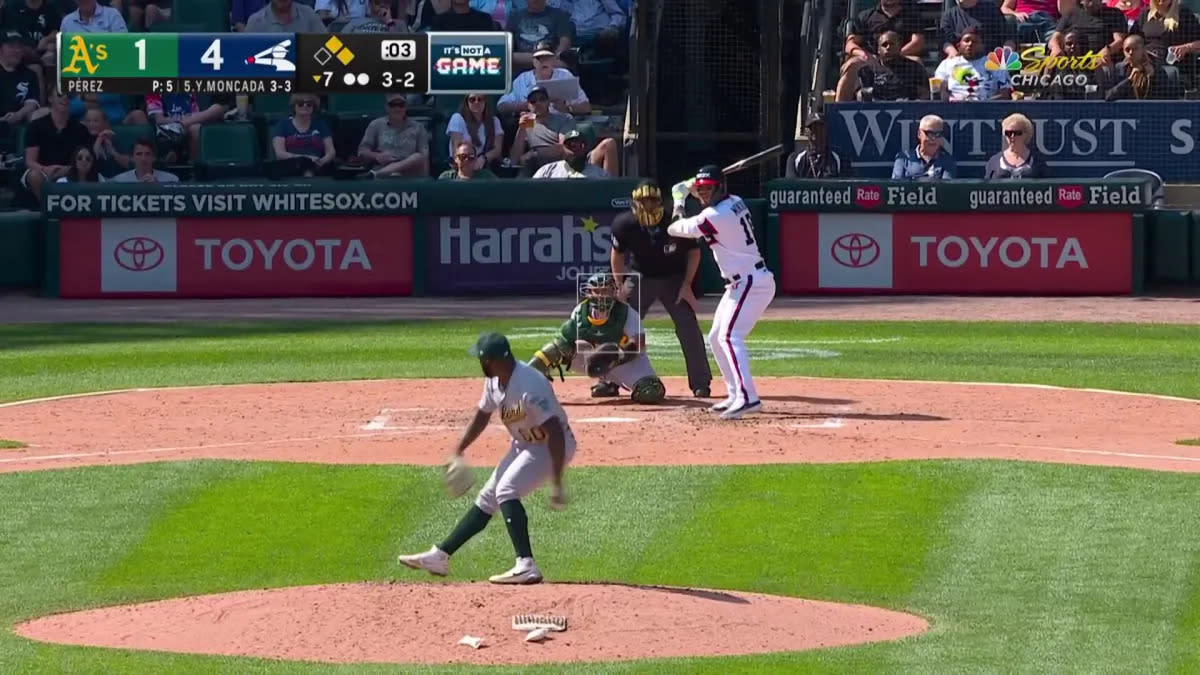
point(211, 56)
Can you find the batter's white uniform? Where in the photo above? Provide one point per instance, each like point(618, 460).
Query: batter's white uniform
point(749, 288)
point(524, 406)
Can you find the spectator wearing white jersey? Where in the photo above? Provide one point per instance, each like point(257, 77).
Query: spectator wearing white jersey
point(545, 68)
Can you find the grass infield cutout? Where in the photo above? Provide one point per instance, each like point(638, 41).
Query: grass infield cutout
point(6, 444)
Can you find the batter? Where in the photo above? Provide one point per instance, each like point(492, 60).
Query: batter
point(603, 337)
point(726, 224)
point(542, 445)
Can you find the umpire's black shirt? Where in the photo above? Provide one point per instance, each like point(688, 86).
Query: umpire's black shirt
point(655, 254)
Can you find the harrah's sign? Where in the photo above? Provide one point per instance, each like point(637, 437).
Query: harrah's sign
point(517, 252)
point(1076, 138)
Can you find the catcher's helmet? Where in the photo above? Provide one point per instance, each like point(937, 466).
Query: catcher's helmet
point(601, 292)
point(647, 203)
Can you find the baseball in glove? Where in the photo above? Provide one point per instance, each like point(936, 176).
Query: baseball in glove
point(459, 477)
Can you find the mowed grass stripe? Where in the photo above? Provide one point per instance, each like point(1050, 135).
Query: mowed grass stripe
point(845, 532)
point(1059, 568)
point(72, 358)
point(278, 525)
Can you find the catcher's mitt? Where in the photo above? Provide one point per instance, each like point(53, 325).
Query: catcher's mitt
point(459, 477)
point(603, 358)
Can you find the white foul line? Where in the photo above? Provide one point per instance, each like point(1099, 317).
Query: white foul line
point(829, 423)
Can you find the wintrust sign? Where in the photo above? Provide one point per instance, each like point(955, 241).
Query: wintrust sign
point(956, 253)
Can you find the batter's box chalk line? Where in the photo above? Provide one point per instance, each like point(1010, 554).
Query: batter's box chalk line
point(768, 349)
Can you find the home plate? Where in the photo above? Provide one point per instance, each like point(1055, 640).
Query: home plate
point(607, 419)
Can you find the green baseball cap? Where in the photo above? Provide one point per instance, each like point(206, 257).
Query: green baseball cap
point(491, 346)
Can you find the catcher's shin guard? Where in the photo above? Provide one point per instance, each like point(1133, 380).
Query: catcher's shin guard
point(649, 390)
point(551, 356)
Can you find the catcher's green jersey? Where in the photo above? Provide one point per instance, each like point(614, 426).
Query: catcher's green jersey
point(621, 326)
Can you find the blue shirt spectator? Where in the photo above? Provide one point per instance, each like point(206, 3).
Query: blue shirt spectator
point(911, 165)
point(240, 13)
point(310, 142)
point(94, 18)
point(929, 160)
point(113, 106)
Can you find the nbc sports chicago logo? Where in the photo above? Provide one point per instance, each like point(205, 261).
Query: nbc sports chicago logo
point(1030, 67)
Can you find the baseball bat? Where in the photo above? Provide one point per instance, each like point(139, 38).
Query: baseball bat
point(756, 158)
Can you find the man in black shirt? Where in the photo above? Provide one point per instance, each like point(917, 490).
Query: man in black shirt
point(862, 40)
point(18, 84)
point(982, 15)
point(37, 21)
point(462, 18)
point(50, 144)
point(666, 268)
point(1103, 29)
point(892, 76)
point(817, 160)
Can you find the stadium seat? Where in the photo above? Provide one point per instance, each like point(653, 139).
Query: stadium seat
point(227, 150)
point(124, 135)
point(348, 106)
point(272, 107)
point(586, 128)
point(212, 15)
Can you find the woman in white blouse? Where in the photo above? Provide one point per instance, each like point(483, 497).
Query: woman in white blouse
point(476, 123)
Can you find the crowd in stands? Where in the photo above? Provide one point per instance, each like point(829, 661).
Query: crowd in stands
point(1077, 49)
point(985, 50)
point(579, 45)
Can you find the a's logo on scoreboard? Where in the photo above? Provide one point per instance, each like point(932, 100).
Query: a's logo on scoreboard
point(80, 53)
point(470, 62)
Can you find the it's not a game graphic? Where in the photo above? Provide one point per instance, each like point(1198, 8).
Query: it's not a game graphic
point(464, 63)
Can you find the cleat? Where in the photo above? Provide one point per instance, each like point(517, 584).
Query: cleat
point(435, 561)
point(721, 406)
point(737, 413)
point(523, 573)
point(702, 392)
point(605, 390)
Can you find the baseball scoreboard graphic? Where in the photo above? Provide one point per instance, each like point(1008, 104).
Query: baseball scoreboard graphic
point(282, 63)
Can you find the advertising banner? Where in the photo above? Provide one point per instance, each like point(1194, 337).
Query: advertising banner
point(967, 195)
point(236, 257)
point(956, 253)
point(1076, 138)
point(515, 253)
point(229, 199)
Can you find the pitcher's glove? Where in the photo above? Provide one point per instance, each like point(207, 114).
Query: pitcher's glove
point(603, 358)
point(459, 477)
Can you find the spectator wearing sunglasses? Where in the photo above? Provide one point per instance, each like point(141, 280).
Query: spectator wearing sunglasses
point(303, 143)
point(1017, 159)
point(465, 162)
point(929, 160)
point(395, 144)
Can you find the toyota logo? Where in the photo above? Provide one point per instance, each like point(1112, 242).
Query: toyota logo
point(855, 250)
point(139, 254)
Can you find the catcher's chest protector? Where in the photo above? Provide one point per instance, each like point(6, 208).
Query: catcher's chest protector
point(611, 330)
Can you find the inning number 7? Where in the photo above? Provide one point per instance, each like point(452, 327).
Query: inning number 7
point(748, 228)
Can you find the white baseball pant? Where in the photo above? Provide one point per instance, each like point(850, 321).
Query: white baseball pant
point(740, 308)
point(520, 472)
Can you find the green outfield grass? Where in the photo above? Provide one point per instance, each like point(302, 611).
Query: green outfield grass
point(1021, 567)
point(6, 444)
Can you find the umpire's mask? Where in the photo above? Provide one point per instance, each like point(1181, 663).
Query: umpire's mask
point(647, 203)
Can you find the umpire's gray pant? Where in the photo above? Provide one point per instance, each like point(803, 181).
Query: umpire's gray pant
point(644, 292)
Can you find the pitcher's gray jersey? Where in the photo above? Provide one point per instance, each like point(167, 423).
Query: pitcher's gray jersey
point(524, 406)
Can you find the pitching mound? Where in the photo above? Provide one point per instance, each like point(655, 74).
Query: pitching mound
point(423, 623)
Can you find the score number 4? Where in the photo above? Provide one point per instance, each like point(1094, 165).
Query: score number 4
point(211, 56)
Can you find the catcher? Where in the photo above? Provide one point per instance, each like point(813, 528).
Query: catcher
point(603, 337)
